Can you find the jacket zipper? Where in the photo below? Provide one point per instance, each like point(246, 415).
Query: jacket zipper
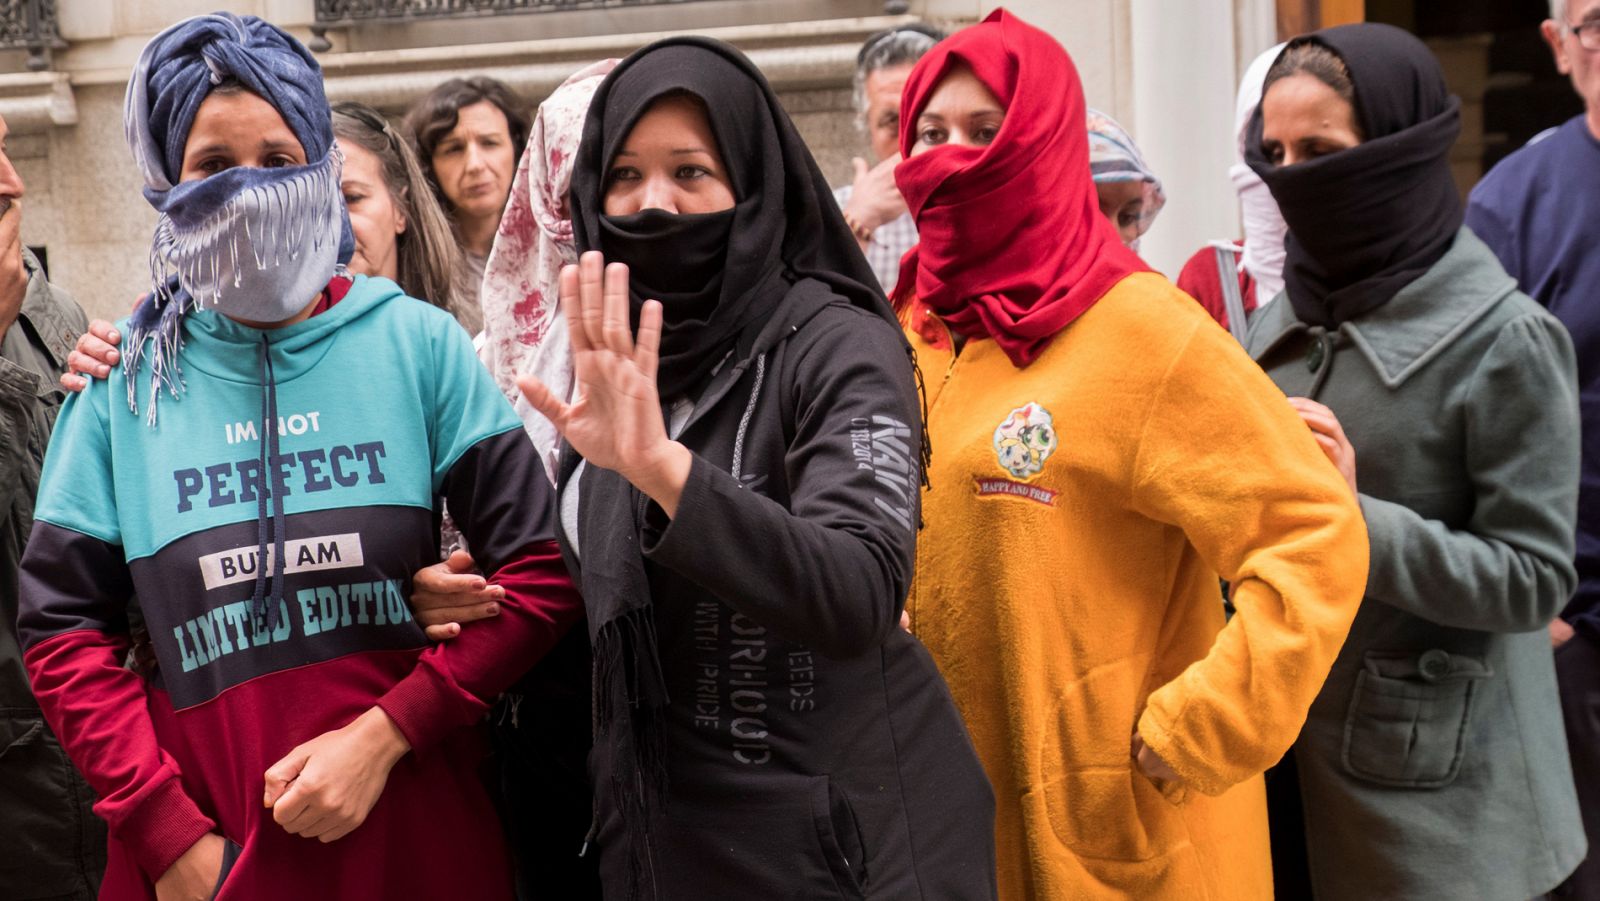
point(944, 386)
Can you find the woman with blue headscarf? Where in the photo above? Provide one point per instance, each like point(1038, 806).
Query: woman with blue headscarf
point(310, 424)
point(1130, 195)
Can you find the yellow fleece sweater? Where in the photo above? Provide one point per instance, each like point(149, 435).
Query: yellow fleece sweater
point(1078, 514)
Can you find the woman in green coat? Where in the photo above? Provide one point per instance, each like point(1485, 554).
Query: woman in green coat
point(1433, 763)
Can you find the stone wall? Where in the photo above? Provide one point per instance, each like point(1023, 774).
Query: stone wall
point(83, 205)
point(83, 208)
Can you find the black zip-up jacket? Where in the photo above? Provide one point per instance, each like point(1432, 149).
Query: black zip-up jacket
point(54, 845)
point(813, 750)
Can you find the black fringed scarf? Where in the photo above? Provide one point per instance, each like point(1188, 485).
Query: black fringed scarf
point(784, 227)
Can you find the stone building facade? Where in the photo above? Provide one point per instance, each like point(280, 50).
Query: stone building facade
point(1166, 70)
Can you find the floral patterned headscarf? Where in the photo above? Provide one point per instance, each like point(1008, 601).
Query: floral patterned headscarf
point(523, 331)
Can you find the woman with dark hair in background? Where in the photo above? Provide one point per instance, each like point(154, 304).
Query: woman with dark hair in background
point(401, 232)
point(1433, 763)
point(468, 133)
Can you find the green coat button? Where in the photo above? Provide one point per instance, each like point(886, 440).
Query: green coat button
point(1316, 355)
point(1434, 665)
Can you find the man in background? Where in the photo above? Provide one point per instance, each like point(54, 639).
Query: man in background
point(1539, 209)
point(55, 847)
point(872, 205)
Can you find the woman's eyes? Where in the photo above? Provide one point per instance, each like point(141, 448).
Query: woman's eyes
point(352, 199)
point(932, 136)
point(218, 164)
point(987, 134)
point(682, 173)
point(1319, 150)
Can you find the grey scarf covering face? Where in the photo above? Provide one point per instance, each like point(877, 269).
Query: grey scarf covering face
point(256, 244)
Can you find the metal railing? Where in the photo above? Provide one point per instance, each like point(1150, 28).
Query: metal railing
point(30, 25)
point(335, 13)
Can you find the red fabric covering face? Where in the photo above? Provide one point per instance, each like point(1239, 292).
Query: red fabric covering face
point(1012, 243)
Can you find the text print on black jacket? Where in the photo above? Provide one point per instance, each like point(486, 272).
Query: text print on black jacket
point(813, 750)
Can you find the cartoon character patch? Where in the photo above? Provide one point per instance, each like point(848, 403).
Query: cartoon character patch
point(1025, 440)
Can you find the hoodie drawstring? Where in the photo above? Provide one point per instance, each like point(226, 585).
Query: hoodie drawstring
point(262, 604)
point(744, 421)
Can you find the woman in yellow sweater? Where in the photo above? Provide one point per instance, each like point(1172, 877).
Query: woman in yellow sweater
point(1102, 451)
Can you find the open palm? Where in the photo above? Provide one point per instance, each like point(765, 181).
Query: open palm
point(615, 420)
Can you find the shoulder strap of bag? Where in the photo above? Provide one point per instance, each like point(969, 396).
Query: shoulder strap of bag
point(1232, 300)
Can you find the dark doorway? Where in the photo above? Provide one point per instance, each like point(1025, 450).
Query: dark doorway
point(1496, 60)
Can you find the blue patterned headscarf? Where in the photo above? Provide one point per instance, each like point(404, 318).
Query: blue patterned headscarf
point(255, 243)
point(1113, 157)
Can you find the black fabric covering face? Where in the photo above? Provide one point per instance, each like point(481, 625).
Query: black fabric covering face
point(1367, 221)
point(785, 223)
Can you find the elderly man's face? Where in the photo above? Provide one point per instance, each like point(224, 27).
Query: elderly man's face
point(1571, 58)
point(883, 88)
point(10, 181)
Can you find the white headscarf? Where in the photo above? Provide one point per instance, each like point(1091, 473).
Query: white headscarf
point(1264, 229)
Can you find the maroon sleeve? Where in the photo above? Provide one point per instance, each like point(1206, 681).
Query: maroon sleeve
point(499, 496)
point(74, 590)
point(454, 681)
point(1199, 280)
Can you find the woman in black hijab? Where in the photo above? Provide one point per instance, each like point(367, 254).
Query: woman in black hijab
point(740, 500)
point(1433, 763)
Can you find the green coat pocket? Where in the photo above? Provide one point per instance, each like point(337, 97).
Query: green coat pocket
point(1407, 722)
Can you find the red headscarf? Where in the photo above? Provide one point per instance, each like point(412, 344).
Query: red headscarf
point(1012, 243)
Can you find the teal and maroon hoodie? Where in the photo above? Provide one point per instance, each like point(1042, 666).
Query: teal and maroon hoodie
point(382, 412)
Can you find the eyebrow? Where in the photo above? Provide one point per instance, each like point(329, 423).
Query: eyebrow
point(680, 151)
point(212, 148)
point(265, 145)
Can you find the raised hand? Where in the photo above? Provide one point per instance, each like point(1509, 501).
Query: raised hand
point(616, 421)
point(875, 199)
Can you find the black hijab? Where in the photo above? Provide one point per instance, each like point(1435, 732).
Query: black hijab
point(716, 274)
point(726, 280)
point(1367, 221)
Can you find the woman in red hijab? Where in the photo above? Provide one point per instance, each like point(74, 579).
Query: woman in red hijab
point(1102, 452)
